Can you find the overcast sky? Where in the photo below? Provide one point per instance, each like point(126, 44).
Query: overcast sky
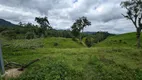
point(105, 15)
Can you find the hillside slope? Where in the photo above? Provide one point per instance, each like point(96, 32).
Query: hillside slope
point(122, 40)
point(5, 23)
point(50, 42)
point(54, 42)
point(74, 63)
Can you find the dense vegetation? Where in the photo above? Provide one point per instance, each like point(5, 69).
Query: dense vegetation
point(30, 31)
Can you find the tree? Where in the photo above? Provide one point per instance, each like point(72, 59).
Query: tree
point(20, 24)
point(89, 41)
point(44, 24)
point(134, 13)
point(79, 25)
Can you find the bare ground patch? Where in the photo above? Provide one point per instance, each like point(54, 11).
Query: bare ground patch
point(12, 73)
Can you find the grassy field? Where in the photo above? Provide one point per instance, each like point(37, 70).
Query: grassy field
point(64, 59)
point(122, 40)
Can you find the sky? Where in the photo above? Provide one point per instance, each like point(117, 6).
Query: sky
point(105, 15)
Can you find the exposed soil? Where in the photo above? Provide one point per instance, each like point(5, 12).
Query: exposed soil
point(12, 73)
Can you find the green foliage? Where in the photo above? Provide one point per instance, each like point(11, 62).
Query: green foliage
point(56, 44)
point(30, 31)
point(89, 41)
point(9, 34)
point(30, 35)
point(75, 31)
point(43, 22)
point(100, 36)
point(79, 25)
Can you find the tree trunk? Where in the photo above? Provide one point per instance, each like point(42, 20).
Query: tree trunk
point(80, 37)
point(138, 37)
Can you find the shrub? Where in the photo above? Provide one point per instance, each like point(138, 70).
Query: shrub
point(89, 41)
point(56, 44)
point(10, 34)
point(30, 35)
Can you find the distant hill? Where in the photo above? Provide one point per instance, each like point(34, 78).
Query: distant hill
point(122, 40)
point(4, 23)
point(90, 32)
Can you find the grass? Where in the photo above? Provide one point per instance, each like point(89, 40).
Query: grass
point(122, 40)
point(71, 61)
point(84, 63)
point(61, 43)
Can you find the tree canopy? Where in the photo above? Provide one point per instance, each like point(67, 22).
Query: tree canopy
point(79, 25)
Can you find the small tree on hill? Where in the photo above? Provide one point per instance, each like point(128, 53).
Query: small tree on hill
point(79, 25)
point(134, 13)
point(44, 24)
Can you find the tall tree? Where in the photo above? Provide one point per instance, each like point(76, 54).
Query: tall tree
point(79, 25)
point(44, 23)
point(134, 13)
point(20, 24)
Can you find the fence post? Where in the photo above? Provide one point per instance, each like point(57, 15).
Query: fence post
point(2, 70)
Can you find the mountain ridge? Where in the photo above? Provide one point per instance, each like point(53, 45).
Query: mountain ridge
point(5, 23)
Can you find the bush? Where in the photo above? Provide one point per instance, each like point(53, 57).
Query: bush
point(74, 39)
point(56, 44)
point(30, 35)
point(10, 34)
point(89, 41)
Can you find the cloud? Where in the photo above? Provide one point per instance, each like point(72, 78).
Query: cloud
point(105, 15)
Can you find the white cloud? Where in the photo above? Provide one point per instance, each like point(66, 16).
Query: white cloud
point(105, 15)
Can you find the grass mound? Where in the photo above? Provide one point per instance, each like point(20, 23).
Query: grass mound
point(61, 43)
point(122, 40)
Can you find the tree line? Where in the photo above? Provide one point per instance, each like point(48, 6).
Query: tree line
point(44, 30)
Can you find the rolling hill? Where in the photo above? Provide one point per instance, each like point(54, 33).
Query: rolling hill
point(122, 40)
point(50, 42)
